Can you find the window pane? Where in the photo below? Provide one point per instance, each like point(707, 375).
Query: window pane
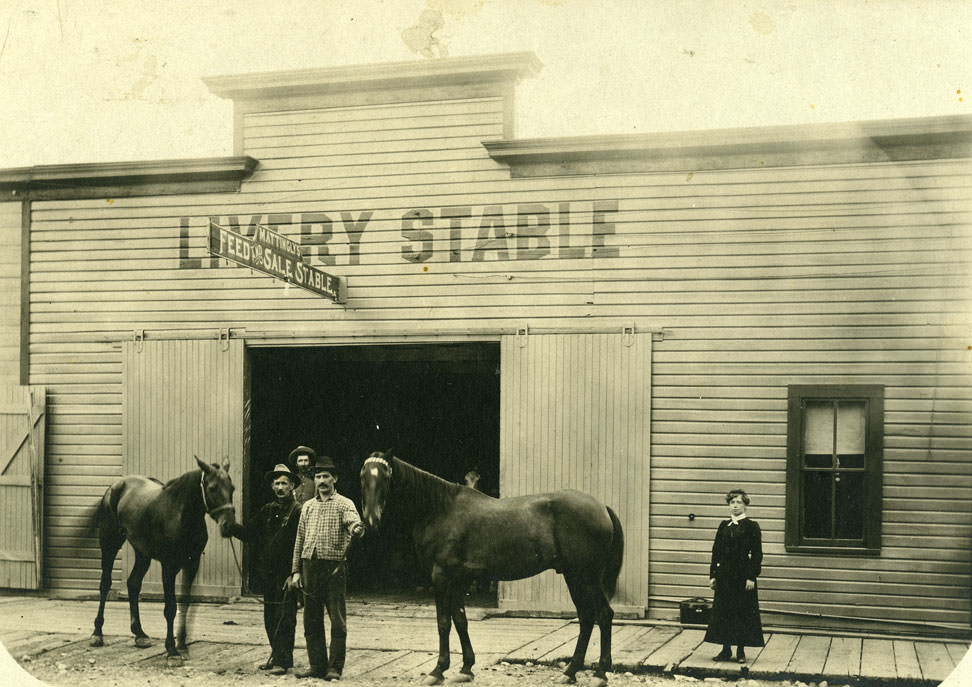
point(853, 460)
point(850, 506)
point(818, 428)
point(817, 501)
point(818, 461)
point(850, 427)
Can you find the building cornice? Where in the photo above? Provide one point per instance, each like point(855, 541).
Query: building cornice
point(436, 72)
point(867, 141)
point(119, 179)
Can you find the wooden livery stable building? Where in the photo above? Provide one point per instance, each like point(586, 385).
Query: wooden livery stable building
point(654, 319)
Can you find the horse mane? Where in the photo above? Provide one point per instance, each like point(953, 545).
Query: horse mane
point(427, 493)
point(187, 483)
point(178, 481)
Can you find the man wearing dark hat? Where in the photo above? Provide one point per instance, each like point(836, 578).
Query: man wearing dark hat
point(301, 461)
point(272, 532)
point(327, 523)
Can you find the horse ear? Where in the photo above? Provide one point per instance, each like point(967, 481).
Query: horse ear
point(202, 465)
point(225, 464)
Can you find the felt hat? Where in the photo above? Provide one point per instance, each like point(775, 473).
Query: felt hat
point(302, 451)
point(323, 463)
point(281, 469)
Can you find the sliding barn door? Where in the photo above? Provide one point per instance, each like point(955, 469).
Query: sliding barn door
point(184, 399)
point(575, 413)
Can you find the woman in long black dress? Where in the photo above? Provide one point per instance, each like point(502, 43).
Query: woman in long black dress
point(737, 556)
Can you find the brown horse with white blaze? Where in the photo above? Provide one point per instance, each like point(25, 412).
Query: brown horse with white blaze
point(166, 523)
point(460, 533)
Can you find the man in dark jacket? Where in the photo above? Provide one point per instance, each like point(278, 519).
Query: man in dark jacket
point(272, 532)
point(302, 461)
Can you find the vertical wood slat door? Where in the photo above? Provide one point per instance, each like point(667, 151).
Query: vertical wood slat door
point(22, 424)
point(180, 399)
point(575, 413)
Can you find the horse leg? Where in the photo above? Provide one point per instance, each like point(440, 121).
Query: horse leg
point(580, 594)
point(188, 576)
point(443, 617)
point(457, 603)
point(169, 572)
point(139, 568)
point(605, 617)
point(110, 542)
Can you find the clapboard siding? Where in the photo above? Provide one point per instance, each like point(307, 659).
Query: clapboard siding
point(760, 277)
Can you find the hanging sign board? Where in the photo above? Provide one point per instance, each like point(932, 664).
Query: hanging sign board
point(275, 255)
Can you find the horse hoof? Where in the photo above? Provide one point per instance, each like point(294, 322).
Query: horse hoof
point(174, 661)
point(566, 680)
point(600, 682)
point(97, 640)
point(463, 677)
point(433, 680)
point(143, 642)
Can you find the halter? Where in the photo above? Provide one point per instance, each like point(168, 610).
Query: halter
point(202, 490)
point(381, 461)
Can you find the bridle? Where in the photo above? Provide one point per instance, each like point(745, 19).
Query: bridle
point(380, 461)
point(202, 490)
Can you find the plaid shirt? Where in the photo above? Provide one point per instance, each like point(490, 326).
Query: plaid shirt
point(325, 529)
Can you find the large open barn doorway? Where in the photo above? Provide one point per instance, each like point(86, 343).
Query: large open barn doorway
point(436, 405)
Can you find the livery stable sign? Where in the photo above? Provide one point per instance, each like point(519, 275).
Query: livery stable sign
point(273, 254)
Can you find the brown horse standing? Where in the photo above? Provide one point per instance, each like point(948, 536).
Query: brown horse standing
point(166, 523)
point(461, 533)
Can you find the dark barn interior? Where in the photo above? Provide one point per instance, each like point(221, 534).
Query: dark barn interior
point(435, 405)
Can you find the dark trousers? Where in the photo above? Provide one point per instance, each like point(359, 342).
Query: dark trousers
point(325, 584)
point(280, 621)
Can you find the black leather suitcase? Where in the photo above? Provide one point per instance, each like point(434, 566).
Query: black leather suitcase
point(695, 611)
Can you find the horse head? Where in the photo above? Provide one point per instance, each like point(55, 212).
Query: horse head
point(375, 482)
point(217, 494)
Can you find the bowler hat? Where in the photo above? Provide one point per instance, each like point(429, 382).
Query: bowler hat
point(281, 469)
point(323, 463)
point(302, 451)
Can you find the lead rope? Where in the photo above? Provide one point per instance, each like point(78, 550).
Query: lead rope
point(236, 560)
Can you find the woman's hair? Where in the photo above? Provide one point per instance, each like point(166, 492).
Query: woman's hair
point(738, 492)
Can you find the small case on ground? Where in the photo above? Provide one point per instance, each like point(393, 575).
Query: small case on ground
point(695, 611)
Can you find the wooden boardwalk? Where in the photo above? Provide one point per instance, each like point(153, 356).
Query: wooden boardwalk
point(387, 642)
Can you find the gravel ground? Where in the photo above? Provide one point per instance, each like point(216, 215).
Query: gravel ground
point(499, 675)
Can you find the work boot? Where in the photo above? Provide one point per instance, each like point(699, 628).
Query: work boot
point(310, 672)
point(332, 675)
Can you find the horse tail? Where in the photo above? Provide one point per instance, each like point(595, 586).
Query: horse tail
point(101, 514)
point(609, 576)
point(95, 515)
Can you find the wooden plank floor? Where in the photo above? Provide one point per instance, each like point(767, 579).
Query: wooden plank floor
point(399, 646)
point(844, 657)
point(877, 659)
point(809, 656)
point(934, 660)
point(775, 656)
point(675, 650)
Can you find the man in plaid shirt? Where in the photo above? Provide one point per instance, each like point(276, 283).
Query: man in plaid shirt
point(327, 523)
